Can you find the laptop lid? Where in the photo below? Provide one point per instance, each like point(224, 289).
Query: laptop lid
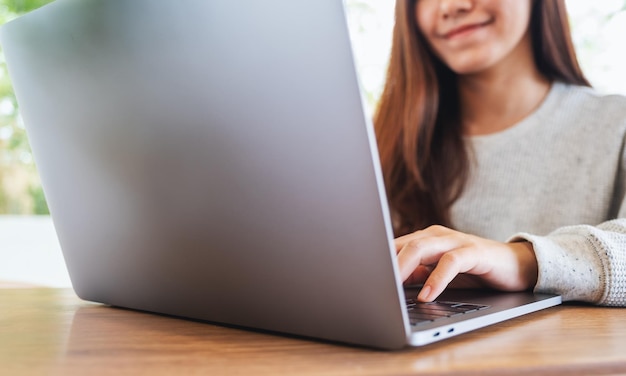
point(212, 160)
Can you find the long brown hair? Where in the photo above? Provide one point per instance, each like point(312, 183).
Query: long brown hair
point(420, 138)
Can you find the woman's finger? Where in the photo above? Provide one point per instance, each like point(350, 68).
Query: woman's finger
point(425, 251)
point(426, 233)
point(419, 276)
point(451, 264)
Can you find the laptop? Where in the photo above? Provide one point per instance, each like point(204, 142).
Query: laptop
point(212, 160)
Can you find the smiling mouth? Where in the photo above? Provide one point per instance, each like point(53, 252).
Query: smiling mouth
point(466, 29)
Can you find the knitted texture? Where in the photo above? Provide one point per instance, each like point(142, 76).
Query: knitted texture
point(558, 180)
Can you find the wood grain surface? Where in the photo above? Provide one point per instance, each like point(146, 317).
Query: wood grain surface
point(52, 332)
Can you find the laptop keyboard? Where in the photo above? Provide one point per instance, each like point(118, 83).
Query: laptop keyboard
point(421, 313)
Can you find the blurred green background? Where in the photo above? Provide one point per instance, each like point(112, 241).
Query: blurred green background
point(20, 189)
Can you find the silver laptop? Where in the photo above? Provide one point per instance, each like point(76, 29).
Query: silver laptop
point(212, 160)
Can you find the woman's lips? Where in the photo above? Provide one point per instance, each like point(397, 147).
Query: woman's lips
point(465, 29)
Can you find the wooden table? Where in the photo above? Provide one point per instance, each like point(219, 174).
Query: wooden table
point(52, 332)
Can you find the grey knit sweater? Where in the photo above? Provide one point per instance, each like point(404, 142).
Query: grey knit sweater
point(558, 180)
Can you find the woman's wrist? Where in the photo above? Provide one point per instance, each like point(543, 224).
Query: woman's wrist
point(527, 261)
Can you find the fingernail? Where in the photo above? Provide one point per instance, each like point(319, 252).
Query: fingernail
point(423, 295)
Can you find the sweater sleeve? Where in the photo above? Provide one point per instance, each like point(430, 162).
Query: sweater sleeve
point(584, 263)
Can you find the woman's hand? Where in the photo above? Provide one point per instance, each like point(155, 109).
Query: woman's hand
point(438, 256)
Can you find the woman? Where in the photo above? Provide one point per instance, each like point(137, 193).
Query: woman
point(503, 168)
